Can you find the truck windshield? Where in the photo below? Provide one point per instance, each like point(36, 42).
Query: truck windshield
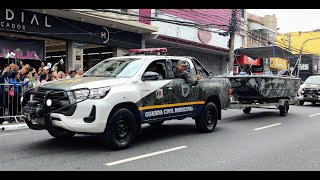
point(313, 80)
point(125, 67)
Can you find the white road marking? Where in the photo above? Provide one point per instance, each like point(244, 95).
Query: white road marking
point(314, 115)
point(144, 156)
point(268, 126)
point(6, 134)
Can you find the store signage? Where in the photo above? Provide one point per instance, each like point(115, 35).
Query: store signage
point(278, 63)
point(22, 49)
point(37, 24)
point(19, 20)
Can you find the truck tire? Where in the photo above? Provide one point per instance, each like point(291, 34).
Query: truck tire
point(301, 103)
point(120, 130)
point(313, 103)
point(207, 121)
point(247, 110)
point(156, 123)
point(284, 109)
point(60, 133)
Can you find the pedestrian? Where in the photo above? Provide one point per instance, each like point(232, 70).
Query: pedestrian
point(36, 84)
point(44, 78)
point(61, 75)
point(182, 73)
point(16, 88)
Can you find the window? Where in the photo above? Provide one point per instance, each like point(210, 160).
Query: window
point(124, 67)
point(158, 66)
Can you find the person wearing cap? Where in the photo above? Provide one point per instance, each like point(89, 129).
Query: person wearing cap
point(45, 70)
point(182, 73)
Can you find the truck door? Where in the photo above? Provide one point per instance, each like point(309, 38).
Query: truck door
point(180, 94)
point(155, 93)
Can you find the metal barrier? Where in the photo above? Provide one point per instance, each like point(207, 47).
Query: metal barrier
point(10, 101)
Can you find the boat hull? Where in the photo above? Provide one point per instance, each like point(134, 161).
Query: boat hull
point(250, 88)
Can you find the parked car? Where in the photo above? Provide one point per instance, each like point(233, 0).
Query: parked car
point(310, 90)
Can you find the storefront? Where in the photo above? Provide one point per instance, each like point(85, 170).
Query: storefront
point(74, 37)
point(278, 64)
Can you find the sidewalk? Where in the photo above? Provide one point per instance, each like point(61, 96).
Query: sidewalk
point(13, 126)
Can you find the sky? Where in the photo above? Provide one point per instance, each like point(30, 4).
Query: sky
point(292, 20)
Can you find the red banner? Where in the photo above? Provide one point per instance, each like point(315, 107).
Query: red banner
point(243, 59)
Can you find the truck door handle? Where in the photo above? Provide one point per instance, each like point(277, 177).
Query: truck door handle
point(169, 86)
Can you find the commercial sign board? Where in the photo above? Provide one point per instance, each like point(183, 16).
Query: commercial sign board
point(22, 48)
point(27, 22)
point(278, 63)
point(243, 59)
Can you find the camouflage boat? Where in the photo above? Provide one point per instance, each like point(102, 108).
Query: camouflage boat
point(264, 87)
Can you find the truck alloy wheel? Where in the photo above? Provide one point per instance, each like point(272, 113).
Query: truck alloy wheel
point(120, 130)
point(207, 121)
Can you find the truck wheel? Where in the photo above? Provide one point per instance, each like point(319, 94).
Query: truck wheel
point(207, 121)
point(301, 103)
point(284, 109)
point(313, 103)
point(60, 133)
point(247, 110)
point(156, 123)
point(120, 130)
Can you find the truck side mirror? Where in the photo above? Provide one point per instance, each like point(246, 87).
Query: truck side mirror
point(149, 75)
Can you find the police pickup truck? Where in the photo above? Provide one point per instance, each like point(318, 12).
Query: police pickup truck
point(117, 95)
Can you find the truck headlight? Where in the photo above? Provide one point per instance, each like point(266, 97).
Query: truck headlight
point(301, 91)
point(99, 93)
point(96, 93)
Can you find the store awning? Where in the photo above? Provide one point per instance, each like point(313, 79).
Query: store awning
point(257, 26)
point(98, 18)
point(264, 52)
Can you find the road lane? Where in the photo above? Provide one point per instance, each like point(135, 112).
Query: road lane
point(232, 146)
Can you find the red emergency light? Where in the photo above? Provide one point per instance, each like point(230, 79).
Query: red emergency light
point(147, 50)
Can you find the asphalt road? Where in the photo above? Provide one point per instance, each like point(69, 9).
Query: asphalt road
point(259, 141)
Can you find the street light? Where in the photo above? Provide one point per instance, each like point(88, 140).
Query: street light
point(299, 60)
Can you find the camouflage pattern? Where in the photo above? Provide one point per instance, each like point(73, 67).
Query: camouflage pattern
point(185, 75)
point(264, 87)
point(200, 92)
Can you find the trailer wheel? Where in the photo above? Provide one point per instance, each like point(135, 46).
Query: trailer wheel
point(207, 121)
point(120, 130)
point(284, 109)
point(301, 103)
point(247, 110)
point(60, 133)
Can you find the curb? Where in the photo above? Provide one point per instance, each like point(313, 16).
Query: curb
point(13, 127)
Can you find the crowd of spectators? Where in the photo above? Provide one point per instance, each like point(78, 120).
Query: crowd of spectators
point(17, 79)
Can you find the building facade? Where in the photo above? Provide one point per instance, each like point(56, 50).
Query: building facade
point(80, 37)
point(308, 44)
point(193, 32)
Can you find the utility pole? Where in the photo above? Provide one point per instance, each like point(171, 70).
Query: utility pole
point(232, 30)
point(299, 60)
point(289, 41)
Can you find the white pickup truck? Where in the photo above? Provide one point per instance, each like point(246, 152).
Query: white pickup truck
point(117, 95)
